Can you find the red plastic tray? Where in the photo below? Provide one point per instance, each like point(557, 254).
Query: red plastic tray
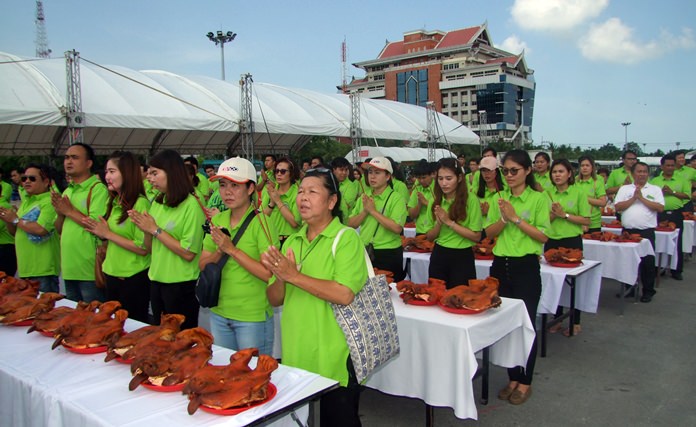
point(272, 391)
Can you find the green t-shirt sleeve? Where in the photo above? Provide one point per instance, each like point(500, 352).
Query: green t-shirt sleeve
point(141, 205)
point(542, 217)
point(47, 216)
point(474, 218)
point(583, 205)
point(397, 209)
point(358, 207)
point(413, 198)
point(265, 197)
point(192, 237)
point(351, 269)
point(600, 189)
point(99, 201)
point(493, 211)
point(6, 191)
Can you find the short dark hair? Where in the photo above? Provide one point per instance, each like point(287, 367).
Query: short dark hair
point(668, 156)
point(340, 162)
point(192, 160)
point(272, 156)
point(321, 160)
point(623, 156)
point(422, 168)
point(639, 163)
point(491, 149)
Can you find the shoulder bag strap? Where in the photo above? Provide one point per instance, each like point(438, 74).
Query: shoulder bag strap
point(238, 235)
point(89, 195)
point(368, 263)
point(383, 208)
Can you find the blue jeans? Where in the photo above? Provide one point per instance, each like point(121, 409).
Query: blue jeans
point(46, 283)
point(237, 335)
point(83, 290)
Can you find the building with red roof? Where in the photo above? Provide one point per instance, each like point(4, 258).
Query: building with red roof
point(489, 90)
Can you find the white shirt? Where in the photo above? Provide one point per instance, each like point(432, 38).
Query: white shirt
point(638, 215)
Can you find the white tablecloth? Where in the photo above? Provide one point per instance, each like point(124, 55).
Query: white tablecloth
point(437, 362)
point(620, 261)
point(41, 387)
point(665, 246)
point(554, 292)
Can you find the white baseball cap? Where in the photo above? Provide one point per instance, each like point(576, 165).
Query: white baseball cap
point(490, 163)
point(236, 169)
point(382, 163)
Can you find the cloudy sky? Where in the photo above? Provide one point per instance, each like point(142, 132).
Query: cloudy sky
point(597, 62)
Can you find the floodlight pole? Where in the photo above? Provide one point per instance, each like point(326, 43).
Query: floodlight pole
point(625, 125)
point(221, 39)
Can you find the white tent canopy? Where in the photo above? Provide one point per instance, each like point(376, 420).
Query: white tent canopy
point(399, 154)
point(145, 111)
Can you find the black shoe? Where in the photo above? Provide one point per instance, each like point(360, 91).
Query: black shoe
point(677, 276)
point(646, 298)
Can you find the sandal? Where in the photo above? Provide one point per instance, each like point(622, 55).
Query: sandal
point(576, 331)
point(558, 327)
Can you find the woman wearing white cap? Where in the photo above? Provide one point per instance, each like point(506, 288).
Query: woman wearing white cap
point(381, 217)
point(490, 183)
point(243, 317)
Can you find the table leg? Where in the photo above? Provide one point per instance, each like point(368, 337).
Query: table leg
point(484, 376)
point(429, 416)
point(571, 313)
point(313, 417)
point(544, 319)
point(407, 268)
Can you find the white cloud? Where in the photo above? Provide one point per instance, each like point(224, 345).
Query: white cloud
point(555, 14)
point(513, 44)
point(613, 41)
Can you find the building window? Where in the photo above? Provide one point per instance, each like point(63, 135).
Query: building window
point(379, 77)
point(453, 66)
point(412, 87)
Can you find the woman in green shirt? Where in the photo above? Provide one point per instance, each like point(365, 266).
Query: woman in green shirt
point(128, 247)
point(278, 199)
point(519, 219)
point(542, 175)
point(37, 243)
point(174, 223)
point(457, 229)
point(422, 196)
point(490, 184)
point(594, 189)
point(309, 277)
point(381, 216)
point(243, 317)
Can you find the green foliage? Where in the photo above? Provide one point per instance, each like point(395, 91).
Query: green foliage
point(326, 147)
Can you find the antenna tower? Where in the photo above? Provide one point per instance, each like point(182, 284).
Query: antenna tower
point(42, 50)
point(483, 129)
point(344, 63)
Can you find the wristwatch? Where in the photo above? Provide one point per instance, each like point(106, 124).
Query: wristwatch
point(15, 221)
point(567, 216)
point(518, 221)
point(157, 232)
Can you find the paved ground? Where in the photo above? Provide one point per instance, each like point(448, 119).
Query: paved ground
point(634, 369)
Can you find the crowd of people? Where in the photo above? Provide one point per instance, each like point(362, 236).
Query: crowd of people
point(162, 223)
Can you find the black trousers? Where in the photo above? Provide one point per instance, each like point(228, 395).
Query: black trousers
point(520, 277)
point(647, 263)
point(132, 292)
point(8, 259)
point(175, 298)
point(391, 260)
point(454, 266)
point(570, 243)
point(592, 230)
point(340, 407)
point(677, 218)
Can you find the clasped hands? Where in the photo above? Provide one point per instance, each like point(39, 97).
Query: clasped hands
point(282, 266)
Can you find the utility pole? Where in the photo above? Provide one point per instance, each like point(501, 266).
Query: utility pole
point(625, 125)
point(221, 39)
point(42, 50)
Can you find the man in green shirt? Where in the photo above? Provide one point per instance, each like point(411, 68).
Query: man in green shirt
point(621, 176)
point(348, 188)
point(422, 197)
point(86, 196)
point(677, 190)
point(267, 174)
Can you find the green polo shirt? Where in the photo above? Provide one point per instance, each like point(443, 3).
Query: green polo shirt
point(448, 238)
point(78, 245)
point(38, 256)
point(290, 199)
point(5, 237)
point(5, 191)
point(544, 180)
point(243, 295)
point(687, 173)
point(395, 209)
point(150, 191)
point(489, 196)
point(203, 187)
point(677, 184)
point(216, 202)
point(531, 206)
point(424, 220)
point(401, 188)
point(617, 177)
point(183, 223)
point(595, 189)
point(574, 202)
point(349, 193)
point(121, 262)
point(312, 339)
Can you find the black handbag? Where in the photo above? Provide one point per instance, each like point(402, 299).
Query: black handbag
point(208, 284)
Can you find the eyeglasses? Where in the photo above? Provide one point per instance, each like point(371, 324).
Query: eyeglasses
point(281, 171)
point(325, 171)
point(29, 177)
point(631, 158)
point(511, 171)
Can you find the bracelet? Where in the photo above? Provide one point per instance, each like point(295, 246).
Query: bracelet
point(15, 221)
point(157, 232)
point(271, 206)
point(284, 205)
point(518, 221)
